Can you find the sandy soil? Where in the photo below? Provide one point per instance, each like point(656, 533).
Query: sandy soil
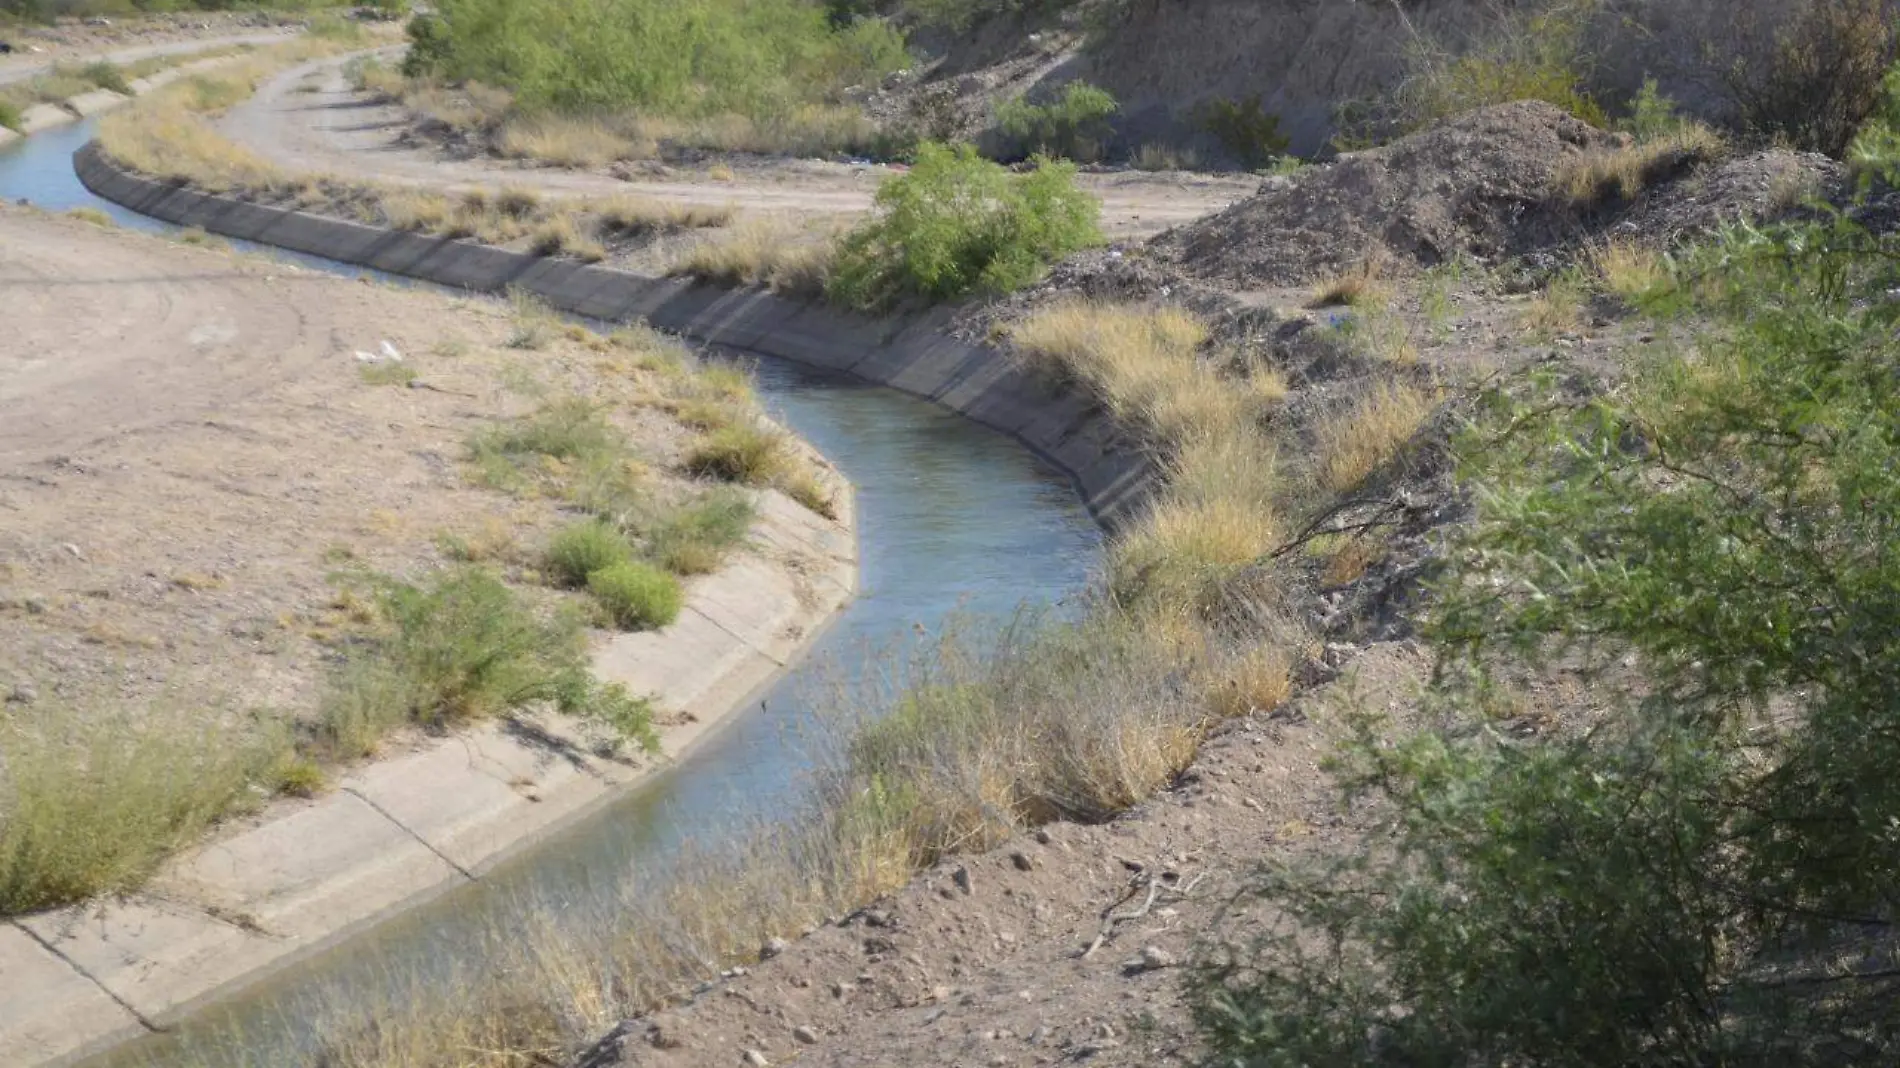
point(189, 451)
point(39, 48)
point(335, 130)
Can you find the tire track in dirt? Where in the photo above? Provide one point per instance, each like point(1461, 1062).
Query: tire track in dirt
point(107, 336)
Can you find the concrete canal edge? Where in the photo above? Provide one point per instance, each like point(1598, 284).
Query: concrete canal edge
point(915, 355)
point(400, 831)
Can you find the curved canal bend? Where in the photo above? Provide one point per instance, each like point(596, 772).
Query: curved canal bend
point(953, 519)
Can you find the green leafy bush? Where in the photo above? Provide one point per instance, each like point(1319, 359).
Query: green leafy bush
point(581, 549)
point(637, 596)
point(1701, 870)
point(10, 115)
point(1245, 129)
point(462, 647)
point(758, 58)
point(1074, 126)
point(958, 224)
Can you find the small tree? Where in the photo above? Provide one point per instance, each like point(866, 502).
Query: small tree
point(958, 224)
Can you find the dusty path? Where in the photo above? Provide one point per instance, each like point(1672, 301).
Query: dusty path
point(18, 67)
point(335, 130)
point(107, 336)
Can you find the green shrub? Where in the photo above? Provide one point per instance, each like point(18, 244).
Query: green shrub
point(758, 58)
point(1073, 126)
point(10, 115)
point(1245, 129)
point(742, 453)
point(1699, 867)
point(93, 799)
point(958, 224)
point(462, 647)
point(694, 539)
point(106, 76)
point(1653, 116)
point(581, 549)
point(637, 596)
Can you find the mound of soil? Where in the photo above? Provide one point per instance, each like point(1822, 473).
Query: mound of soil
point(1762, 185)
point(1477, 185)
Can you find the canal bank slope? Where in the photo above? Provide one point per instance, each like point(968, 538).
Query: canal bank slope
point(170, 507)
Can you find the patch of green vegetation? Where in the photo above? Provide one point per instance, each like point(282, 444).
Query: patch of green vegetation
point(1074, 125)
point(106, 75)
point(1246, 130)
point(756, 58)
point(636, 596)
point(696, 538)
point(958, 224)
point(580, 549)
point(387, 373)
point(93, 799)
point(562, 436)
point(741, 452)
point(1697, 868)
point(461, 646)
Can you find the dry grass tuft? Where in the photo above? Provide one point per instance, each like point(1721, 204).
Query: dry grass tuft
point(1257, 679)
point(1590, 179)
point(1626, 268)
point(568, 141)
point(1159, 157)
point(1355, 287)
point(1558, 309)
point(561, 235)
point(1144, 365)
point(773, 255)
point(92, 800)
point(1355, 442)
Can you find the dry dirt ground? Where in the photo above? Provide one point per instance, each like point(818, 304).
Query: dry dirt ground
point(335, 130)
point(37, 48)
point(987, 961)
point(189, 452)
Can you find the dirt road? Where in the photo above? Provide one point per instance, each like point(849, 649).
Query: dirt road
point(21, 66)
point(337, 131)
point(108, 336)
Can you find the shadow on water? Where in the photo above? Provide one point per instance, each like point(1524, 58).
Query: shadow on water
point(954, 520)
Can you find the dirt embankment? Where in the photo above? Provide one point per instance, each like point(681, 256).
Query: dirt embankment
point(190, 447)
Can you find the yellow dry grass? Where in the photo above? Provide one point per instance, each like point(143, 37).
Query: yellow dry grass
point(1626, 268)
point(1356, 286)
point(569, 141)
point(1258, 679)
point(1592, 178)
point(1144, 365)
point(1356, 441)
point(771, 254)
